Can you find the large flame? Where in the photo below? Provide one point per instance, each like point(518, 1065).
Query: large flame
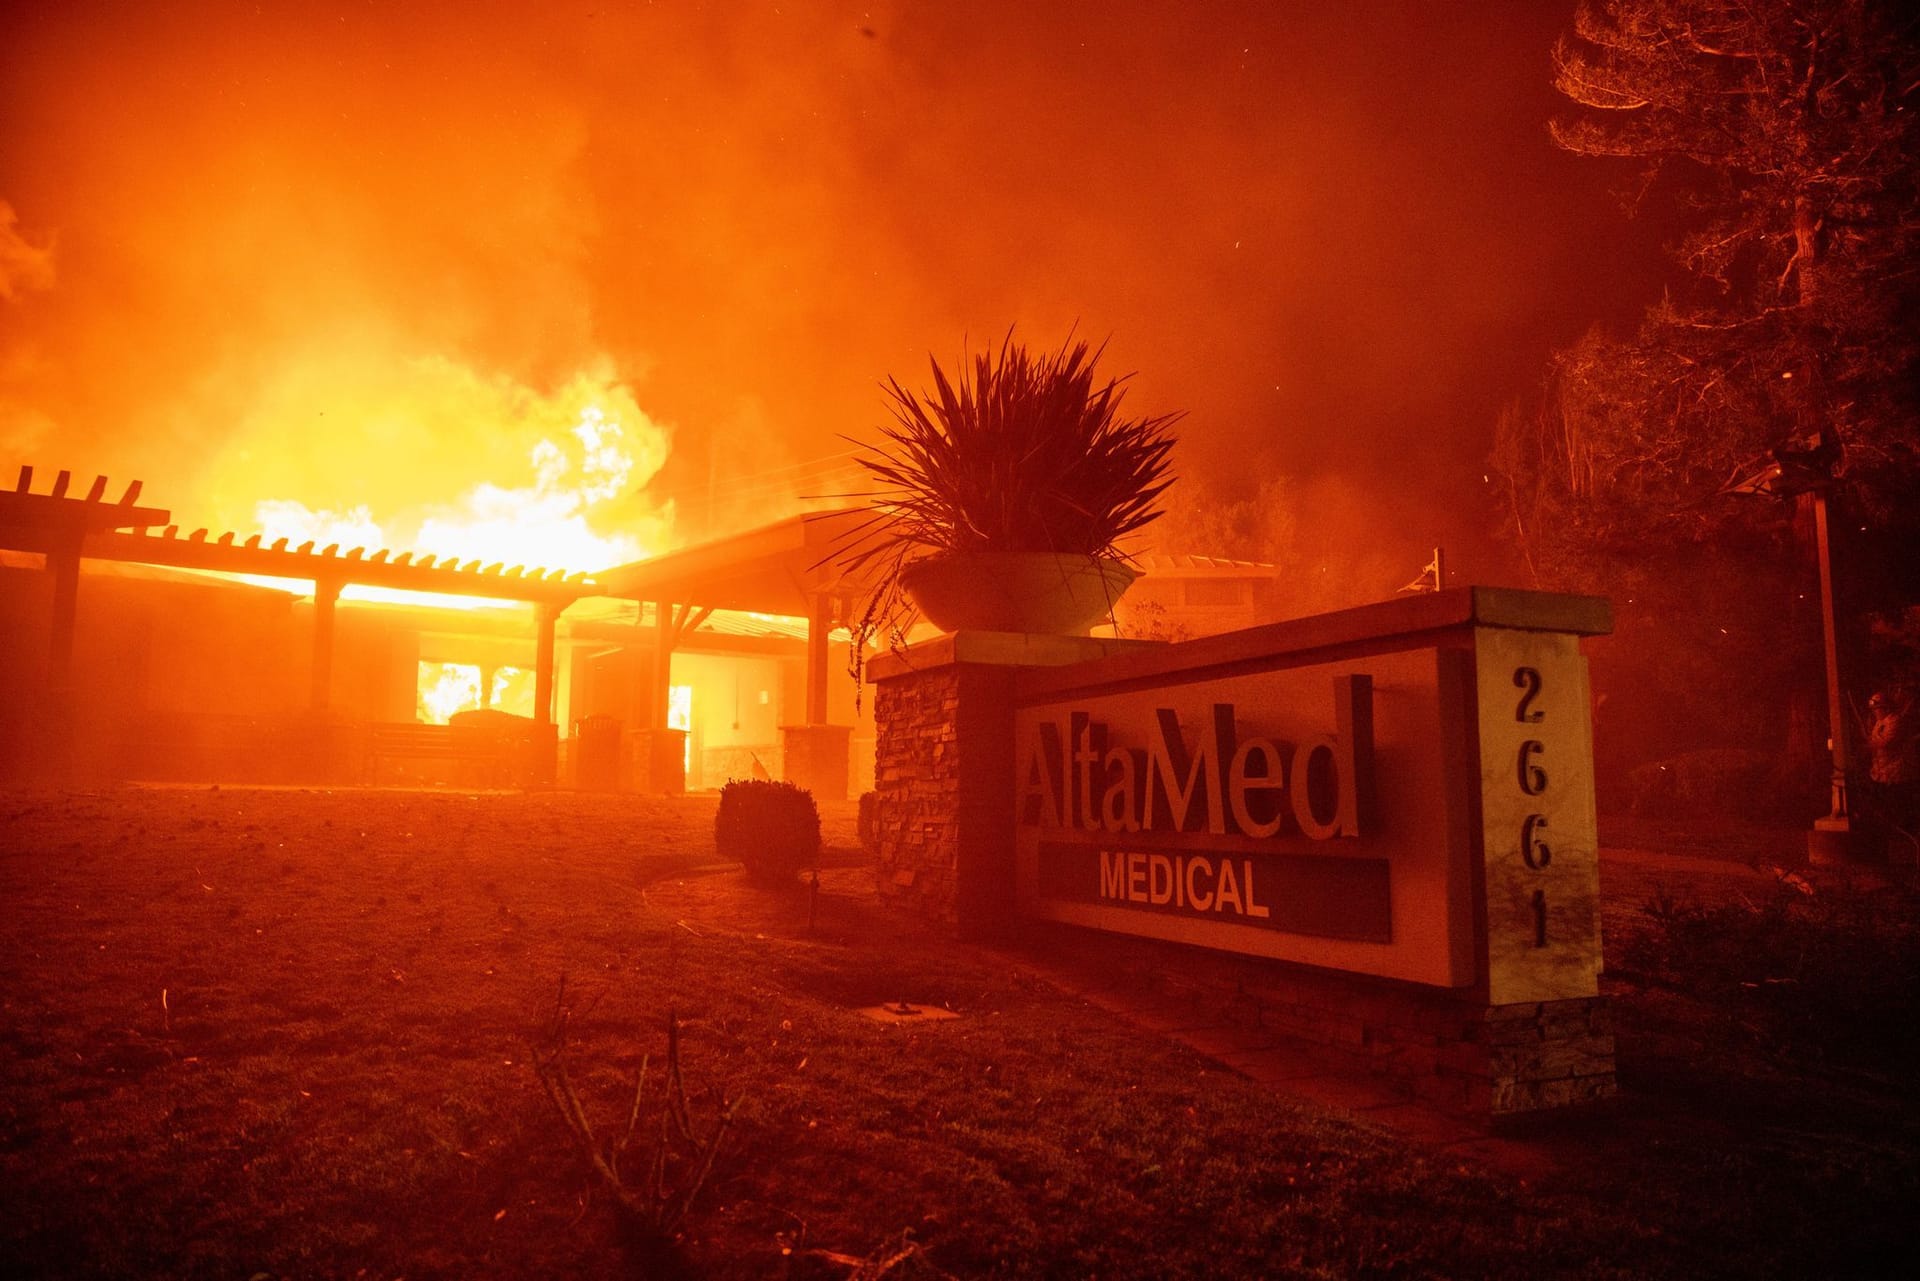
point(445, 688)
point(570, 505)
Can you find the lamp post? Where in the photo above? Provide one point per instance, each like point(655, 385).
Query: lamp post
point(1804, 466)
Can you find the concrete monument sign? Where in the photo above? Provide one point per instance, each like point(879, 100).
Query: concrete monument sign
point(1324, 812)
point(1399, 797)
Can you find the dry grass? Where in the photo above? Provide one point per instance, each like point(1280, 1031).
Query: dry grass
point(337, 1082)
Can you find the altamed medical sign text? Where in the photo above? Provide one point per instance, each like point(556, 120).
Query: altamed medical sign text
point(1078, 773)
point(1415, 806)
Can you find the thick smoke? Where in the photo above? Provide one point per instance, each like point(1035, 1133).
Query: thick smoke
point(1336, 235)
point(23, 266)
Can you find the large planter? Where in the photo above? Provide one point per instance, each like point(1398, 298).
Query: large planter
point(1039, 592)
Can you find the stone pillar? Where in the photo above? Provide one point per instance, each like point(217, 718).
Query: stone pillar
point(1535, 1056)
point(943, 712)
point(816, 758)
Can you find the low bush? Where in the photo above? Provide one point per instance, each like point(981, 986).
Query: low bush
point(1819, 967)
point(1719, 782)
point(772, 827)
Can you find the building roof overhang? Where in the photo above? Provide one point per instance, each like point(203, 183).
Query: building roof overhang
point(776, 569)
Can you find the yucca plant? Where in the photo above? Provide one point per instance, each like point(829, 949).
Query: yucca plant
point(1027, 454)
point(1023, 452)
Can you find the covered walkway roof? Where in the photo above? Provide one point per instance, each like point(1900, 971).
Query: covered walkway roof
point(797, 566)
point(782, 568)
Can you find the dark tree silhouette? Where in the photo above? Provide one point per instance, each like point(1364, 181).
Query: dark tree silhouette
point(1784, 134)
point(1779, 137)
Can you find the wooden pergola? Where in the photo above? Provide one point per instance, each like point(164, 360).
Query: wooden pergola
point(797, 567)
point(70, 529)
point(330, 570)
point(58, 526)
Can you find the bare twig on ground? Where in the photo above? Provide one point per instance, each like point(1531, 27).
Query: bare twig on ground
point(648, 1198)
point(901, 1253)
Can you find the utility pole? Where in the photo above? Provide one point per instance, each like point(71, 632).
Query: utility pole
point(1803, 469)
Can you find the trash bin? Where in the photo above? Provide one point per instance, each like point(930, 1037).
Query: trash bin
point(596, 753)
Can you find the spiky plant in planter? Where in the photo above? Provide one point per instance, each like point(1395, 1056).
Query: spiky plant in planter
point(1002, 497)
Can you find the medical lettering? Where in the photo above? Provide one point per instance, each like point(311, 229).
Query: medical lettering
point(1218, 886)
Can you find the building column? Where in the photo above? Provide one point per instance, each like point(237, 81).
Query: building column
point(662, 661)
point(815, 753)
point(819, 631)
point(640, 669)
point(657, 757)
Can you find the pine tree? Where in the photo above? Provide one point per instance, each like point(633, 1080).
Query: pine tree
point(1781, 137)
point(1785, 134)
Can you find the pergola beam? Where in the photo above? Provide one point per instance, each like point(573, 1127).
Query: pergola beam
point(404, 573)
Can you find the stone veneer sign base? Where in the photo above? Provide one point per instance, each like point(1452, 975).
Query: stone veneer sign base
point(1372, 831)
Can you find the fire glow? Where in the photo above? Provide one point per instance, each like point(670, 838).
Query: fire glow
point(444, 689)
point(557, 520)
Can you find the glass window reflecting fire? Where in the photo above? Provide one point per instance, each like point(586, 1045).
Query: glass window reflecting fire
point(446, 688)
point(442, 689)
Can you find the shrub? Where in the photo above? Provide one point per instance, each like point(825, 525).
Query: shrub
point(1021, 453)
point(1723, 782)
point(1815, 966)
point(655, 1190)
point(773, 828)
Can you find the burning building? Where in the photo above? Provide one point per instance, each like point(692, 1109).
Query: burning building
point(136, 651)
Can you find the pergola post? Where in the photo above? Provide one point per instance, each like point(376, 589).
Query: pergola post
point(63, 559)
point(544, 765)
point(64, 562)
point(543, 675)
point(326, 595)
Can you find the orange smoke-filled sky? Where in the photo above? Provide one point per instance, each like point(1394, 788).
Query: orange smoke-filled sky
point(326, 251)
